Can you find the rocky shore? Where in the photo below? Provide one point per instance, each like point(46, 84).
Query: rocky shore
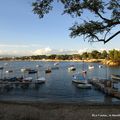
point(111, 63)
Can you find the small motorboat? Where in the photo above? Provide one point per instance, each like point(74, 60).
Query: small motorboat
point(71, 68)
point(1, 68)
point(57, 63)
point(40, 80)
point(115, 77)
point(27, 79)
point(100, 66)
point(90, 67)
point(48, 70)
point(38, 66)
point(9, 71)
point(32, 71)
point(25, 69)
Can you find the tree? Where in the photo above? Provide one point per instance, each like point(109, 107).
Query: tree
point(104, 54)
point(105, 12)
point(95, 54)
point(114, 55)
point(84, 55)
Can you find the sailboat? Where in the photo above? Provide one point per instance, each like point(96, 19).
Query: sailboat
point(39, 80)
point(90, 67)
point(71, 68)
point(81, 80)
point(55, 66)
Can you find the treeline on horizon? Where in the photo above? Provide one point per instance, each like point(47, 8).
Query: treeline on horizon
point(113, 55)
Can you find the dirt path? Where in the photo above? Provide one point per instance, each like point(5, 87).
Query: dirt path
point(57, 111)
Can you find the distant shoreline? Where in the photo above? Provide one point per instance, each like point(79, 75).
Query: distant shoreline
point(102, 61)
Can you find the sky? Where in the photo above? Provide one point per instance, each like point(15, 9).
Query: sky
point(23, 33)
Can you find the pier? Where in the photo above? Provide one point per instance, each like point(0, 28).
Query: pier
point(106, 86)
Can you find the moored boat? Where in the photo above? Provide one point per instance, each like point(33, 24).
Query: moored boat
point(91, 67)
point(71, 68)
point(115, 77)
point(48, 70)
point(32, 71)
point(77, 78)
point(81, 81)
point(100, 66)
point(57, 63)
point(25, 69)
point(40, 80)
point(9, 71)
point(27, 79)
point(84, 86)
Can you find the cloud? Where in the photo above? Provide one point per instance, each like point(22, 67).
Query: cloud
point(48, 51)
point(42, 51)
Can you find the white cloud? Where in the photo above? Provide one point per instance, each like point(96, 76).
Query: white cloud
point(48, 51)
point(42, 51)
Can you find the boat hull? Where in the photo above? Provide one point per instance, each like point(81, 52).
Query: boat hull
point(84, 86)
point(115, 77)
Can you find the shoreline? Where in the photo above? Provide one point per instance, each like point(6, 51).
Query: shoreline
point(109, 63)
point(85, 103)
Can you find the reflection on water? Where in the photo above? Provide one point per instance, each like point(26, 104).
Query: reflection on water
point(58, 86)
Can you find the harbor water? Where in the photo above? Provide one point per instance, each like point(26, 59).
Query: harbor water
point(58, 86)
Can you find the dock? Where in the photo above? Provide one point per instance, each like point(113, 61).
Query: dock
point(8, 85)
point(106, 86)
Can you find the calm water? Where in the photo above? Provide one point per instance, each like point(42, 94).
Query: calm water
point(58, 86)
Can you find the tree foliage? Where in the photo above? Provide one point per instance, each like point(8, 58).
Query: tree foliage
point(106, 13)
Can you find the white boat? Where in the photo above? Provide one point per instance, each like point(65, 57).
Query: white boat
point(91, 67)
point(27, 79)
point(40, 80)
point(9, 71)
point(25, 69)
point(55, 66)
point(37, 66)
point(115, 77)
point(77, 78)
point(81, 82)
point(57, 63)
point(71, 68)
point(84, 86)
point(100, 66)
